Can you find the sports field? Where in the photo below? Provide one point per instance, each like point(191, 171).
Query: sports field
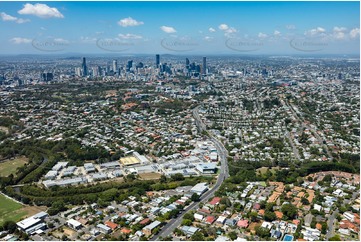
point(9, 166)
point(11, 210)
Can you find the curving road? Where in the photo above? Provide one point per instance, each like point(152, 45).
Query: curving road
point(224, 173)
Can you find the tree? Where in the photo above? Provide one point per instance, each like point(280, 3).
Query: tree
point(305, 201)
point(262, 232)
point(253, 216)
point(289, 210)
point(232, 235)
point(270, 216)
point(187, 222)
point(177, 177)
point(163, 179)
point(189, 216)
point(10, 226)
point(335, 238)
point(198, 236)
point(195, 197)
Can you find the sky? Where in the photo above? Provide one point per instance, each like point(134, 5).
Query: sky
point(180, 27)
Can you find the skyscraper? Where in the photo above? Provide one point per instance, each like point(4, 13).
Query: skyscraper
point(157, 60)
point(84, 68)
point(130, 65)
point(115, 66)
point(187, 63)
point(204, 66)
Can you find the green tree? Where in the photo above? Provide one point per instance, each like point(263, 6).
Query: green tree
point(232, 235)
point(270, 216)
point(197, 236)
point(289, 210)
point(195, 197)
point(262, 232)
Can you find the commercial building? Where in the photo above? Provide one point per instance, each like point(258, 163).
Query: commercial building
point(104, 229)
point(147, 230)
point(33, 224)
point(200, 188)
point(72, 223)
point(207, 168)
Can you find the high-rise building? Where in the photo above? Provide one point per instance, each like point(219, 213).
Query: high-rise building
point(78, 71)
point(84, 68)
point(187, 63)
point(95, 70)
point(157, 61)
point(129, 65)
point(204, 66)
point(115, 66)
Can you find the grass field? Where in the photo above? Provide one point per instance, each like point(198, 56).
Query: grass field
point(9, 166)
point(10, 210)
point(263, 170)
point(149, 176)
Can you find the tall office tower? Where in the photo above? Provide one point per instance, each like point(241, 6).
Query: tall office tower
point(187, 63)
point(78, 71)
point(157, 61)
point(84, 68)
point(204, 67)
point(115, 66)
point(130, 65)
point(95, 71)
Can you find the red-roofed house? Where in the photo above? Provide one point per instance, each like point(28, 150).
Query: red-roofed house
point(210, 219)
point(145, 221)
point(125, 231)
point(242, 223)
point(111, 225)
point(296, 221)
point(215, 201)
point(257, 206)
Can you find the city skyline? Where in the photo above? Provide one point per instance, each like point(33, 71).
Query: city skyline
point(185, 28)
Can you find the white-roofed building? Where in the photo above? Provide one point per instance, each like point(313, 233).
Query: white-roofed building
point(72, 223)
point(200, 188)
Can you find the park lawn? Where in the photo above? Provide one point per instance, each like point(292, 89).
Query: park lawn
point(263, 170)
point(149, 176)
point(9, 166)
point(10, 210)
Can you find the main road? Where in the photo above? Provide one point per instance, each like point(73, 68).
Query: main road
point(224, 173)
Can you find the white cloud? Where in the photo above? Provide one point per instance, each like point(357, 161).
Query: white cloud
point(41, 10)
point(212, 30)
point(339, 29)
point(354, 33)
point(87, 39)
point(316, 31)
point(228, 31)
point(129, 22)
point(208, 38)
point(62, 41)
point(130, 36)
point(262, 35)
point(7, 17)
point(223, 27)
point(18, 40)
point(276, 33)
point(167, 29)
point(339, 33)
point(290, 26)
